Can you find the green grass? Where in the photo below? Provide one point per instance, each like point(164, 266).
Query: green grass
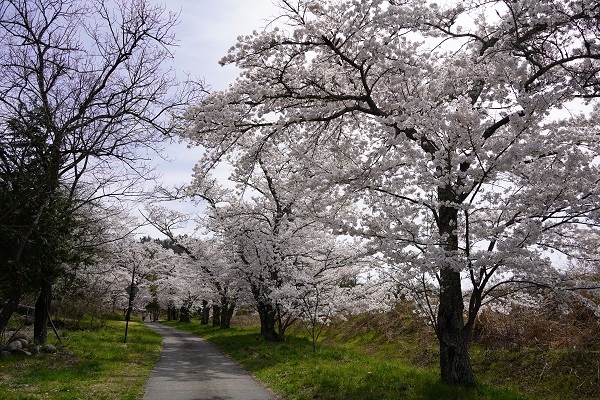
point(342, 371)
point(88, 365)
point(357, 359)
point(553, 374)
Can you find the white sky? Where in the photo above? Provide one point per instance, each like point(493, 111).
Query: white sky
point(206, 31)
point(208, 28)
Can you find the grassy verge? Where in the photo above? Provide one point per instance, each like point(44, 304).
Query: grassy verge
point(552, 374)
point(88, 365)
point(342, 371)
point(538, 373)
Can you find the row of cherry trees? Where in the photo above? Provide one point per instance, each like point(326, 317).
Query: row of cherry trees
point(454, 148)
point(249, 255)
point(459, 142)
point(268, 249)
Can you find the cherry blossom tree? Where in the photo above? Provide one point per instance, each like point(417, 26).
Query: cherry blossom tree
point(207, 261)
point(453, 129)
point(145, 264)
point(283, 252)
point(329, 281)
point(182, 288)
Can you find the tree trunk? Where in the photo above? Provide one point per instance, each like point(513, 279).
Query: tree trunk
point(8, 310)
point(42, 307)
point(204, 313)
point(184, 315)
point(455, 364)
point(216, 315)
point(268, 322)
point(171, 313)
point(227, 309)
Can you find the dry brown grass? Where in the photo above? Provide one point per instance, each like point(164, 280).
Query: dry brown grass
point(545, 327)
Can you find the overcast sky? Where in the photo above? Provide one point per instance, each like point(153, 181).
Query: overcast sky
point(207, 29)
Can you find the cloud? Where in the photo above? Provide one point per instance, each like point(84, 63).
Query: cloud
point(206, 31)
point(208, 28)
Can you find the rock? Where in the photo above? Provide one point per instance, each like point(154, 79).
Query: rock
point(35, 349)
point(4, 353)
point(49, 348)
point(19, 335)
point(23, 351)
point(24, 342)
point(14, 346)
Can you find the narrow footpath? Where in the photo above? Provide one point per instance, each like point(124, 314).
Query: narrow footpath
point(191, 368)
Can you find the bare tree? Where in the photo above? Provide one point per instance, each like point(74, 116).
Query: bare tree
point(92, 73)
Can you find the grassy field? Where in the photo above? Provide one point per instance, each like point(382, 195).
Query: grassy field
point(536, 372)
point(358, 359)
point(398, 359)
point(88, 365)
point(347, 371)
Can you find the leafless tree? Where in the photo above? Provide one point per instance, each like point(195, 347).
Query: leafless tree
point(89, 77)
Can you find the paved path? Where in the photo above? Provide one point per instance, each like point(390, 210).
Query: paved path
point(190, 368)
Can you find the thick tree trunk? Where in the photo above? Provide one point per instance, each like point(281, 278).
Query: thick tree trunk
point(9, 308)
point(184, 315)
point(42, 307)
point(171, 313)
point(455, 364)
point(216, 315)
point(204, 313)
point(268, 322)
point(15, 273)
point(227, 309)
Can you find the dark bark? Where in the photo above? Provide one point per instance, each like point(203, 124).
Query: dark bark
point(216, 315)
point(172, 313)
point(227, 308)
point(8, 310)
point(204, 313)
point(268, 322)
point(42, 308)
point(184, 315)
point(455, 364)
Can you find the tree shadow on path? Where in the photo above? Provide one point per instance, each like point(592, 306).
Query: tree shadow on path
point(191, 368)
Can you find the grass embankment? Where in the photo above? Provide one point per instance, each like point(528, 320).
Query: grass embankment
point(540, 372)
point(88, 365)
point(342, 369)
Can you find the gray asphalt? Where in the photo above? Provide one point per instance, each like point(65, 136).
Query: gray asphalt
point(190, 368)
